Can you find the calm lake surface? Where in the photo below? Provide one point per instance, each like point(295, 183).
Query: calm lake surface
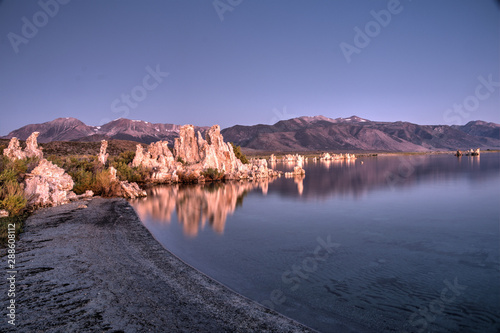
point(393, 244)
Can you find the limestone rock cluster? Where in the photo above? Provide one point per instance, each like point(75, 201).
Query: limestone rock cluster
point(48, 185)
point(331, 157)
point(193, 155)
point(473, 152)
point(292, 158)
point(297, 170)
point(299, 164)
point(14, 150)
point(127, 190)
point(158, 158)
point(103, 156)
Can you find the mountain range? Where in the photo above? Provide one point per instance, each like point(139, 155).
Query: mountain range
point(317, 133)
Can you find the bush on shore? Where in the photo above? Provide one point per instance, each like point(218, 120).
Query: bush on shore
point(85, 170)
point(11, 194)
point(239, 154)
point(89, 174)
point(125, 171)
point(212, 174)
point(187, 177)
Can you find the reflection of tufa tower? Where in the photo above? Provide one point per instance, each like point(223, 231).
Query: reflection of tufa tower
point(195, 205)
point(299, 180)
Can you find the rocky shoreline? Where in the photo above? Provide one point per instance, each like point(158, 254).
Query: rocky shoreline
point(91, 266)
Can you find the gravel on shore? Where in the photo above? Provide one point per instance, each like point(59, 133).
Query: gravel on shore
point(98, 269)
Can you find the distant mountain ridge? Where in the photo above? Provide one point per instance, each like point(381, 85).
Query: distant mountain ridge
point(308, 133)
point(72, 129)
point(358, 134)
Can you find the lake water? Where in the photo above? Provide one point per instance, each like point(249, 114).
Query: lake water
point(392, 244)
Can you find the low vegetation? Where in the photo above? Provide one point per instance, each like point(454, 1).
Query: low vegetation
point(239, 154)
point(89, 174)
point(79, 160)
point(11, 194)
point(187, 178)
point(212, 174)
point(67, 148)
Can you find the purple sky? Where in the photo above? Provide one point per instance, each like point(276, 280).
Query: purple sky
point(248, 61)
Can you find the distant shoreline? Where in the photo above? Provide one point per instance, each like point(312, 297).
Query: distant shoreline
point(116, 147)
point(258, 153)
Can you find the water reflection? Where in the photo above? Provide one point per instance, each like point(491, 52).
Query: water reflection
point(405, 224)
point(355, 178)
point(195, 205)
point(331, 163)
point(299, 180)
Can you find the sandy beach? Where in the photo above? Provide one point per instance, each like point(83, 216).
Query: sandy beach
point(99, 269)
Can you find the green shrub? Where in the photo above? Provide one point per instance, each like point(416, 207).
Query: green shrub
point(101, 183)
point(86, 171)
point(8, 175)
point(212, 174)
point(126, 157)
point(239, 154)
point(185, 177)
point(11, 194)
point(12, 170)
point(57, 160)
point(83, 180)
point(12, 198)
point(128, 173)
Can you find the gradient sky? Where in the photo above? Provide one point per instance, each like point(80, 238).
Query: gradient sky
point(267, 60)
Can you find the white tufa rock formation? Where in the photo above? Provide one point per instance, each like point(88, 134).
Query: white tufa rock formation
point(158, 158)
point(194, 155)
point(473, 152)
point(157, 155)
point(332, 157)
point(14, 151)
point(48, 185)
point(32, 149)
point(103, 156)
point(186, 147)
point(128, 190)
point(297, 169)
